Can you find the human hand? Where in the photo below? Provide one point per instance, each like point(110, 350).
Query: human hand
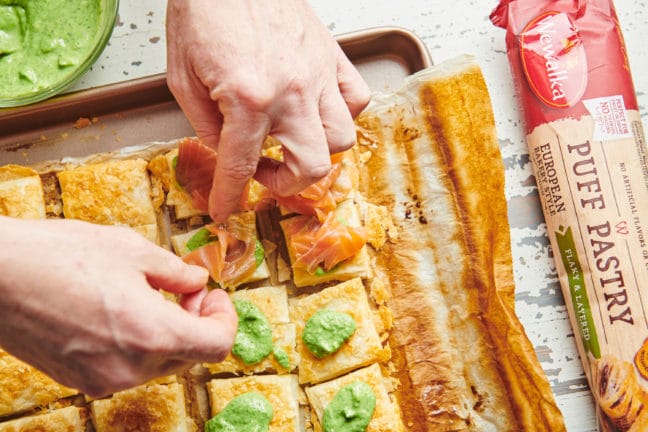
point(77, 302)
point(242, 70)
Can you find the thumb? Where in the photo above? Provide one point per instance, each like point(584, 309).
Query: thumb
point(168, 272)
point(217, 302)
point(210, 336)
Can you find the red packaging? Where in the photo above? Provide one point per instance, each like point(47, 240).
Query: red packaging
point(592, 64)
point(588, 151)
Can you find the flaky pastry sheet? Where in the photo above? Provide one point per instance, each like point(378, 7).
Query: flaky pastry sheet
point(432, 157)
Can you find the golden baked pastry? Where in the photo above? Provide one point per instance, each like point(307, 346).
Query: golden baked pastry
point(363, 348)
point(155, 407)
point(23, 387)
point(282, 391)
point(68, 419)
point(273, 303)
point(110, 193)
point(180, 242)
point(431, 157)
point(386, 416)
point(621, 398)
point(357, 266)
point(21, 193)
point(177, 197)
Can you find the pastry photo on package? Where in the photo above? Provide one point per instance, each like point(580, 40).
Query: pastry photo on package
point(588, 151)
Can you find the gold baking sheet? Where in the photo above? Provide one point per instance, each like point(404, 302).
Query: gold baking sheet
point(143, 110)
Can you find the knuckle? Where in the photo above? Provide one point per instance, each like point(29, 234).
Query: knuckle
point(341, 139)
point(109, 378)
point(362, 95)
point(257, 97)
point(175, 266)
point(176, 82)
point(224, 346)
point(242, 170)
point(316, 172)
point(172, 80)
point(297, 86)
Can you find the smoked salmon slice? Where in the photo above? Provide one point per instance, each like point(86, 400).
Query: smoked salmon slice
point(230, 255)
point(322, 244)
point(194, 171)
point(321, 197)
point(319, 239)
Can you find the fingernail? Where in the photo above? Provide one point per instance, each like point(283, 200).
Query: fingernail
point(200, 272)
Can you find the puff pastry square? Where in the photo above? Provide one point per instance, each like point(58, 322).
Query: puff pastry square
point(177, 197)
point(25, 387)
point(273, 302)
point(386, 416)
point(361, 349)
point(21, 193)
point(145, 408)
point(68, 419)
point(179, 243)
point(357, 266)
point(282, 391)
point(117, 192)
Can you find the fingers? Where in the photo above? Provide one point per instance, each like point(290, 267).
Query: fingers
point(209, 336)
point(239, 149)
point(353, 87)
point(192, 95)
point(203, 113)
point(305, 153)
point(166, 271)
point(192, 302)
point(337, 121)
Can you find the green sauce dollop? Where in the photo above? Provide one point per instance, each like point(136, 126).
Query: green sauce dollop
point(202, 237)
point(42, 41)
point(249, 412)
point(351, 409)
point(259, 253)
point(253, 340)
point(281, 356)
point(326, 330)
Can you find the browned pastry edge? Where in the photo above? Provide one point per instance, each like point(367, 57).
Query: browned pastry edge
point(449, 115)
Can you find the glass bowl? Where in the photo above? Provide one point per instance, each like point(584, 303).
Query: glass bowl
point(108, 10)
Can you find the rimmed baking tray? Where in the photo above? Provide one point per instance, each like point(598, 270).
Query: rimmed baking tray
point(143, 110)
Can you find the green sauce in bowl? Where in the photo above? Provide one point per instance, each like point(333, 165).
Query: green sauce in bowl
point(47, 44)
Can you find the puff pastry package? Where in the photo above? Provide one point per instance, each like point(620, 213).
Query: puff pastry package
point(425, 299)
point(588, 150)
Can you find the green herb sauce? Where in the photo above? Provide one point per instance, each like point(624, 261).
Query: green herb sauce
point(202, 237)
point(249, 412)
point(253, 340)
point(351, 409)
point(281, 356)
point(43, 41)
point(259, 253)
point(326, 330)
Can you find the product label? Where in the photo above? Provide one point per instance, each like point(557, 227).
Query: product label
point(577, 287)
point(554, 60)
point(595, 200)
point(610, 118)
point(590, 159)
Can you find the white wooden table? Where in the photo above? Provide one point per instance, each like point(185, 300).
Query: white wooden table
point(448, 28)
